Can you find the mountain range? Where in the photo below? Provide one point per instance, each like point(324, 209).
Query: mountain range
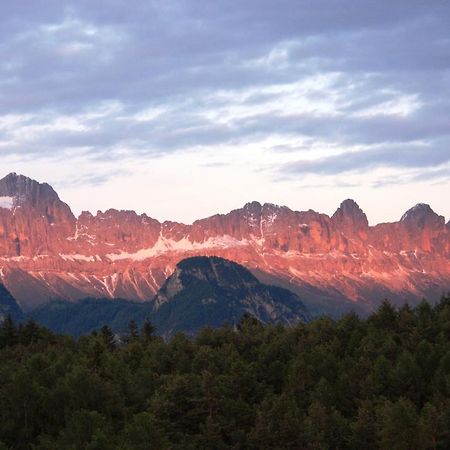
point(333, 264)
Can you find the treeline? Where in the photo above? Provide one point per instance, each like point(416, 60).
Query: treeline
point(359, 384)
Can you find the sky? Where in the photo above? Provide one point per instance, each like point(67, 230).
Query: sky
point(184, 109)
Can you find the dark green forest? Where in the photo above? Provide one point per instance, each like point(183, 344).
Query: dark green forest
point(382, 382)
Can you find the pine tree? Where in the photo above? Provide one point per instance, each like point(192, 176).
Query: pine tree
point(399, 428)
point(30, 332)
point(133, 330)
point(108, 337)
point(148, 331)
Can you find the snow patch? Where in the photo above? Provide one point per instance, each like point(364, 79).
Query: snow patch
point(80, 233)
point(105, 285)
point(271, 218)
point(414, 209)
point(76, 257)
point(164, 245)
point(252, 220)
point(6, 202)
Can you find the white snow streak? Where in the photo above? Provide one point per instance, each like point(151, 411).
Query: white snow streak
point(164, 245)
point(76, 257)
point(6, 202)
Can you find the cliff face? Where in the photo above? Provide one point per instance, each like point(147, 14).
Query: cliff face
point(333, 263)
point(33, 220)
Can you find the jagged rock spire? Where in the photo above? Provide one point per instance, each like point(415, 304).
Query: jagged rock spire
point(350, 216)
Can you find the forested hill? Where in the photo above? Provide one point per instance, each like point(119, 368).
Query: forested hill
point(381, 383)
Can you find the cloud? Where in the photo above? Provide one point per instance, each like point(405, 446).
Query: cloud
point(334, 86)
point(394, 156)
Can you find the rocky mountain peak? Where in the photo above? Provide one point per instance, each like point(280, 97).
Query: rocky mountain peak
point(214, 269)
point(26, 190)
point(252, 208)
point(421, 215)
point(350, 215)
point(34, 219)
point(254, 205)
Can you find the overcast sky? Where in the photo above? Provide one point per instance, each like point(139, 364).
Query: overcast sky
point(182, 109)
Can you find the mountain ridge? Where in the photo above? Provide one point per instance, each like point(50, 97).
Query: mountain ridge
point(48, 253)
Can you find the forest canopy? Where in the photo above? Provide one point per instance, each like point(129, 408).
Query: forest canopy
point(383, 382)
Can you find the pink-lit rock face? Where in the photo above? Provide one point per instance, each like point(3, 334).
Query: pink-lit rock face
point(47, 253)
point(34, 220)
